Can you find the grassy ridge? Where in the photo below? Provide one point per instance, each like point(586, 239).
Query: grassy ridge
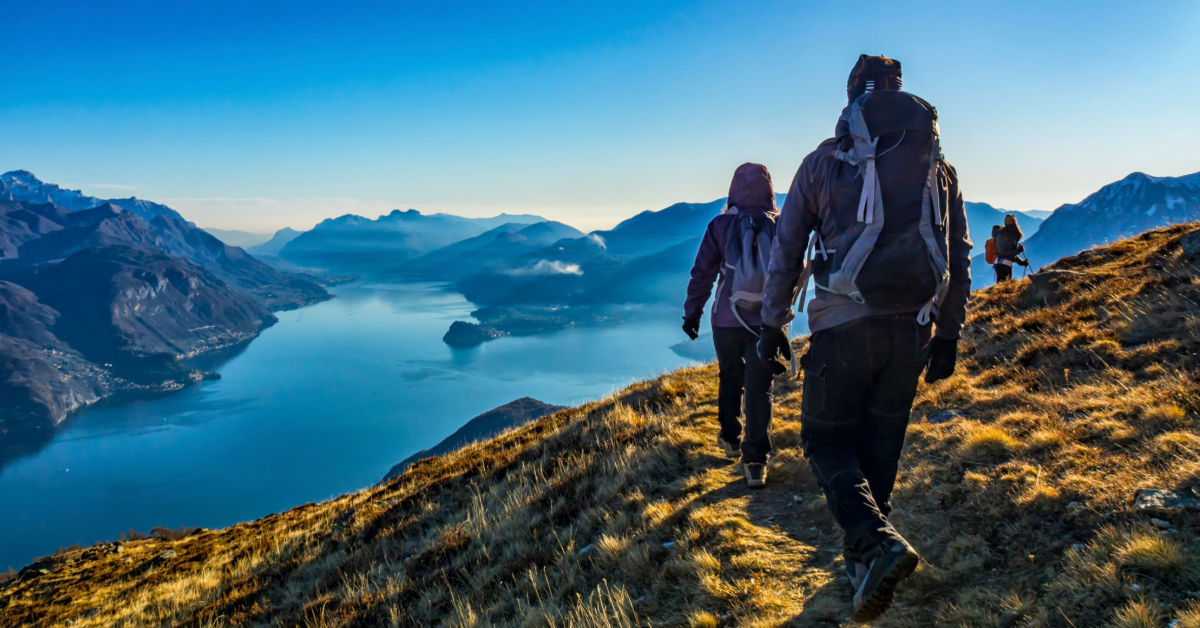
point(620, 512)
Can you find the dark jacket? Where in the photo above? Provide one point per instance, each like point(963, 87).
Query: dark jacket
point(801, 215)
point(1008, 242)
point(750, 191)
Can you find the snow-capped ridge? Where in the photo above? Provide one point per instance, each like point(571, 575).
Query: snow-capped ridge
point(1134, 204)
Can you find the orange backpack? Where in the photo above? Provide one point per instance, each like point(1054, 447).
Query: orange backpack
point(991, 252)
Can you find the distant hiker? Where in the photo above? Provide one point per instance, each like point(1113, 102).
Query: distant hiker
point(1008, 248)
point(890, 255)
point(736, 246)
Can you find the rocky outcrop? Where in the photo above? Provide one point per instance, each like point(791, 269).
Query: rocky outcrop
point(1190, 243)
point(464, 335)
point(1045, 287)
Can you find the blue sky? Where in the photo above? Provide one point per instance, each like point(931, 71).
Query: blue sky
point(258, 115)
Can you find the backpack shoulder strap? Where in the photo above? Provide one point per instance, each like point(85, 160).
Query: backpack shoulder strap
point(733, 240)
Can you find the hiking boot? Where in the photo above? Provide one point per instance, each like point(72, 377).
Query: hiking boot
point(756, 474)
point(732, 450)
point(874, 593)
point(854, 572)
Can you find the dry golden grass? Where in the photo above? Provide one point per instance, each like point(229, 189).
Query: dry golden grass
point(622, 513)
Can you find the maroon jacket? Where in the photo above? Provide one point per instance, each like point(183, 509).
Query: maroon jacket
point(750, 191)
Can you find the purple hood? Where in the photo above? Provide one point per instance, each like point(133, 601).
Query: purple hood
point(750, 191)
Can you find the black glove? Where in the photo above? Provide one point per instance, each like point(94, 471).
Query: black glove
point(773, 344)
point(943, 354)
point(1023, 262)
point(691, 327)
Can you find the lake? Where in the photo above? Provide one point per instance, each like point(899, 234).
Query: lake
point(322, 403)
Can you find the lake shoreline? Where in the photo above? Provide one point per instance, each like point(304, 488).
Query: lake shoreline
point(323, 403)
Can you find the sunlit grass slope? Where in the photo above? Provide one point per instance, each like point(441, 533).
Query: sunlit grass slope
point(621, 513)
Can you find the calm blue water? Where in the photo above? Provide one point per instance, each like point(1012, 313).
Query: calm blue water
point(323, 403)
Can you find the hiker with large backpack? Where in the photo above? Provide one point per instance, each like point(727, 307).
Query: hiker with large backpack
point(1007, 247)
point(736, 247)
point(875, 218)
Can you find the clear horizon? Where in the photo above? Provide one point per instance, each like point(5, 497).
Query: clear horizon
point(255, 118)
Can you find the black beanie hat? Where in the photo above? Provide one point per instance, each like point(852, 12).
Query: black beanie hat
point(870, 72)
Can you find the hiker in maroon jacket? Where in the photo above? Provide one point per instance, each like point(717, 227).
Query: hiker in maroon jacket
point(875, 218)
point(735, 329)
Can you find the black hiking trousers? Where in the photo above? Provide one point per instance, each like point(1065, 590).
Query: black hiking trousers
point(860, 379)
point(743, 374)
point(1003, 272)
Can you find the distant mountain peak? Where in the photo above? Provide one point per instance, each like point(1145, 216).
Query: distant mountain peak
point(23, 176)
point(1130, 189)
point(1139, 177)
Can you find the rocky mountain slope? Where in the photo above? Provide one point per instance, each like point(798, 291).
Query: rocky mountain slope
point(107, 298)
point(66, 221)
point(106, 321)
point(1051, 482)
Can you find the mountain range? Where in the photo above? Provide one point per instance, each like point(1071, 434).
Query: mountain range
point(530, 285)
point(527, 275)
point(353, 243)
point(103, 298)
point(43, 222)
point(1118, 210)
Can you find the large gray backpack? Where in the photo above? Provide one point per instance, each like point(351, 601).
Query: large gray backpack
point(747, 255)
point(891, 240)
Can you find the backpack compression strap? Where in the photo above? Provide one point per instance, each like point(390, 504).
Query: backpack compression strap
point(870, 204)
point(931, 208)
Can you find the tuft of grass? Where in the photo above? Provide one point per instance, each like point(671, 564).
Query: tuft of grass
point(703, 619)
point(1153, 555)
point(1164, 416)
point(1138, 614)
point(1175, 448)
point(1189, 615)
point(1046, 440)
point(987, 443)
